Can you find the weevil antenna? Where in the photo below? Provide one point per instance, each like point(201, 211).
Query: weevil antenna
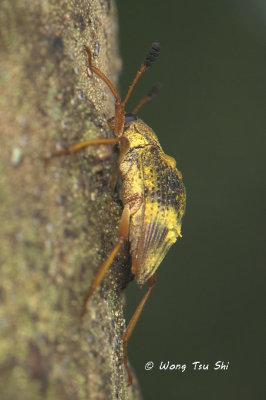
point(149, 60)
point(150, 95)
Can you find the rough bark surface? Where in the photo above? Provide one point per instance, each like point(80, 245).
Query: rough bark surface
point(58, 221)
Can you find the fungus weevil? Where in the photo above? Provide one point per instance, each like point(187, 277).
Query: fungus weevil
point(153, 193)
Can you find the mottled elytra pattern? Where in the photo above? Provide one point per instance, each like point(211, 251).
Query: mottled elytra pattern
point(153, 188)
point(166, 185)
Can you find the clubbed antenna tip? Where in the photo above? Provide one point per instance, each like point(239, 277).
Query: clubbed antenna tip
point(152, 55)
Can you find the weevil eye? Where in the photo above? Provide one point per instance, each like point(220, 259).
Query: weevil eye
point(129, 117)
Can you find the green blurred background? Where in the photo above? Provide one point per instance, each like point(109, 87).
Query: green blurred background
point(210, 116)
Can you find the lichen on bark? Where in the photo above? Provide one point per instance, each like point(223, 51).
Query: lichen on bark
point(58, 221)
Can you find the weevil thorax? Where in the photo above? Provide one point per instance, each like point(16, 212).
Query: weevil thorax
point(153, 189)
point(138, 133)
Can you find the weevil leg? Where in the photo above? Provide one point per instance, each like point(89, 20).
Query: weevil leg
point(124, 145)
point(122, 237)
point(81, 145)
point(132, 323)
point(119, 106)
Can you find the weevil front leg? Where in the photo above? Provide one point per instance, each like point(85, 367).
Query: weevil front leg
point(132, 323)
point(122, 237)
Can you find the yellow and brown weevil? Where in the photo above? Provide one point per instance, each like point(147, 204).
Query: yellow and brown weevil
point(153, 193)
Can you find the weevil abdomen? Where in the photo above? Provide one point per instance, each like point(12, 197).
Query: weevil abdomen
point(153, 188)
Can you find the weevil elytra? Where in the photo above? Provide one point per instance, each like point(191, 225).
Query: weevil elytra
point(153, 193)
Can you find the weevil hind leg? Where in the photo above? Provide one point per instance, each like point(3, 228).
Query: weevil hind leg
point(122, 237)
point(132, 323)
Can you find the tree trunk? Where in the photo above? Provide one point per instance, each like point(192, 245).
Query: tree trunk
point(58, 222)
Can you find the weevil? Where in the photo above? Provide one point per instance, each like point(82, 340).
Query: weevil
point(153, 193)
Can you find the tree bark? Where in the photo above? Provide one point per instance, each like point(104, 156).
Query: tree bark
point(58, 222)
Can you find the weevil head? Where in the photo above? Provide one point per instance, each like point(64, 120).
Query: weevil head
point(129, 118)
point(136, 131)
